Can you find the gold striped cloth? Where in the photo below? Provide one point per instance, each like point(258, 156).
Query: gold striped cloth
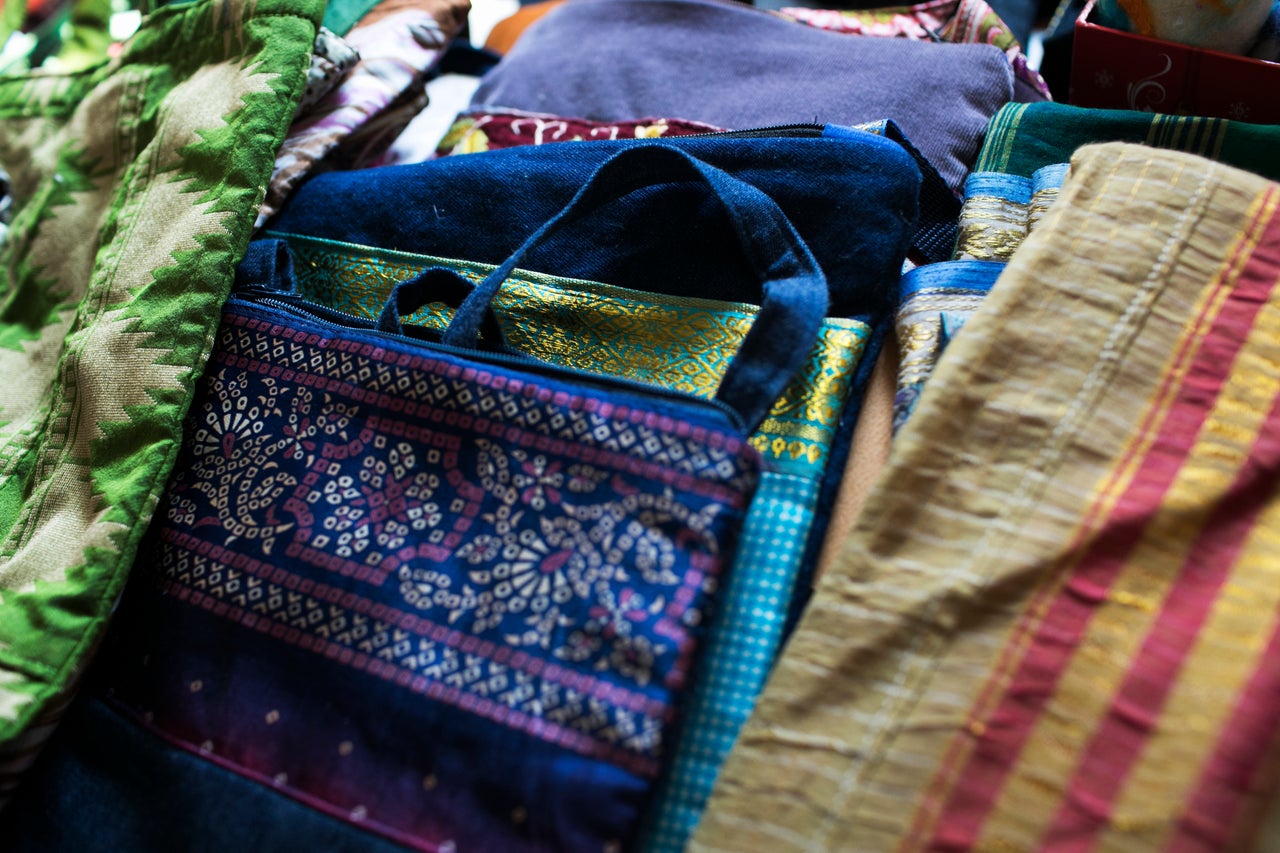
point(1055, 625)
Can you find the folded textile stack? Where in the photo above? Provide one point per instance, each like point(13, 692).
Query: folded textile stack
point(739, 430)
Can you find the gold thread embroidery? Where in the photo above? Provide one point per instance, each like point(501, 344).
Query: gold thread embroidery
point(679, 343)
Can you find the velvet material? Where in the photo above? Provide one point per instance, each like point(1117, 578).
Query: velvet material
point(105, 783)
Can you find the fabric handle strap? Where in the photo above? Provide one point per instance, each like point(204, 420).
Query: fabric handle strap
point(794, 290)
point(434, 284)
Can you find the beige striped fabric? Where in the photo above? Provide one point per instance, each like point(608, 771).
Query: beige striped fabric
point(1054, 624)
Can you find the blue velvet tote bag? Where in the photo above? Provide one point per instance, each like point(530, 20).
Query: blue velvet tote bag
point(438, 590)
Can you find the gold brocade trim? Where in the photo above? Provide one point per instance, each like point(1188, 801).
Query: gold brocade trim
point(918, 345)
point(940, 299)
point(793, 451)
point(919, 327)
point(1041, 201)
point(991, 228)
point(680, 343)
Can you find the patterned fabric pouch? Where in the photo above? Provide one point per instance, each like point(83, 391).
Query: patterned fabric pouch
point(134, 185)
point(683, 344)
point(331, 60)
point(452, 594)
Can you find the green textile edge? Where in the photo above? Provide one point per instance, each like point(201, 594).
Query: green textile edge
point(1022, 138)
point(172, 216)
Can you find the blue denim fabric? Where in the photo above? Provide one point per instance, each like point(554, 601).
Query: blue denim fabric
point(852, 200)
point(793, 291)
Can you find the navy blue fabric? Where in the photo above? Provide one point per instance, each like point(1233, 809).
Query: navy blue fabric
point(445, 742)
point(938, 224)
point(434, 284)
point(266, 264)
point(105, 784)
point(462, 57)
point(852, 200)
point(794, 291)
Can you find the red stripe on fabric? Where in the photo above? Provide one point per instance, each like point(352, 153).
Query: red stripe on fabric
point(1041, 599)
point(1238, 763)
point(1001, 738)
point(1135, 712)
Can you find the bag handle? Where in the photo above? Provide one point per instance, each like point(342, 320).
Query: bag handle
point(795, 295)
point(434, 284)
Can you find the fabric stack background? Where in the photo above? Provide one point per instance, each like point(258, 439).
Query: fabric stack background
point(675, 425)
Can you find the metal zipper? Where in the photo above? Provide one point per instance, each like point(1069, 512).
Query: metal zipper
point(777, 130)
